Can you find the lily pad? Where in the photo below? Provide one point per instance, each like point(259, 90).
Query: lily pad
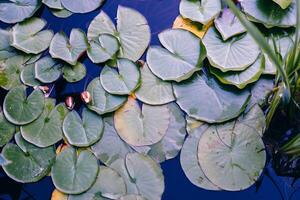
point(200, 11)
point(109, 185)
point(103, 102)
point(81, 6)
point(153, 90)
point(234, 54)
point(205, 99)
point(47, 70)
point(228, 24)
point(20, 109)
point(55, 4)
point(74, 73)
point(172, 142)
point(6, 51)
point(29, 37)
point(232, 150)
point(270, 13)
point(28, 76)
point(72, 173)
point(83, 132)
point(69, 50)
point(121, 82)
point(141, 126)
point(147, 175)
point(243, 78)
point(61, 13)
point(7, 130)
point(110, 147)
point(178, 61)
point(47, 129)
point(103, 48)
point(26, 162)
point(189, 160)
point(132, 197)
point(17, 11)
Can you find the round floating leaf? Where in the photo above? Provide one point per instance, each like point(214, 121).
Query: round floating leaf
point(47, 70)
point(179, 60)
point(17, 11)
point(172, 142)
point(81, 6)
point(204, 99)
point(7, 130)
point(134, 33)
point(28, 36)
point(109, 185)
point(132, 197)
point(20, 109)
point(110, 147)
point(26, 162)
point(61, 13)
point(232, 155)
point(103, 102)
point(200, 11)
point(141, 126)
point(121, 82)
point(47, 129)
point(74, 73)
point(228, 24)
point(189, 159)
point(153, 90)
point(234, 54)
point(10, 72)
point(83, 132)
point(243, 78)
point(103, 48)
point(147, 175)
point(6, 51)
point(72, 173)
point(28, 76)
point(270, 13)
point(55, 4)
point(69, 50)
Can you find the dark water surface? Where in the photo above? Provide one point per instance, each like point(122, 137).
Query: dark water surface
point(160, 15)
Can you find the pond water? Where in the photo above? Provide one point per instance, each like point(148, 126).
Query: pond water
point(160, 15)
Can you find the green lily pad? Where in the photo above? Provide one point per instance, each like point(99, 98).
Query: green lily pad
point(47, 129)
point(103, 102)
point(134, 33)
point(26, 162)
point(72, 173)
point(55, 4)
point(270, 13)
point(6, 51)
point(109, 185)
point(121, 82)
point(20, 109)
point(103, 48)
point(141, 126)
point(178, 61)
point(61, 13)
point(205, 99)
point(7, 130)
point(132, 197)
point(110, 147)
point(16, 11)
point(234, 54)
point(172, 142)
point(232, 155)
point(200, 11)
point(81, 6)
point(189, 160)
point(47, 70)
point(243, 78)
point(153, 90)
point(28, 36)
point(69, 50)
point(228, 24)
point(28, 76)
point(83, 132)
point(146, 174)
point(74, 73)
